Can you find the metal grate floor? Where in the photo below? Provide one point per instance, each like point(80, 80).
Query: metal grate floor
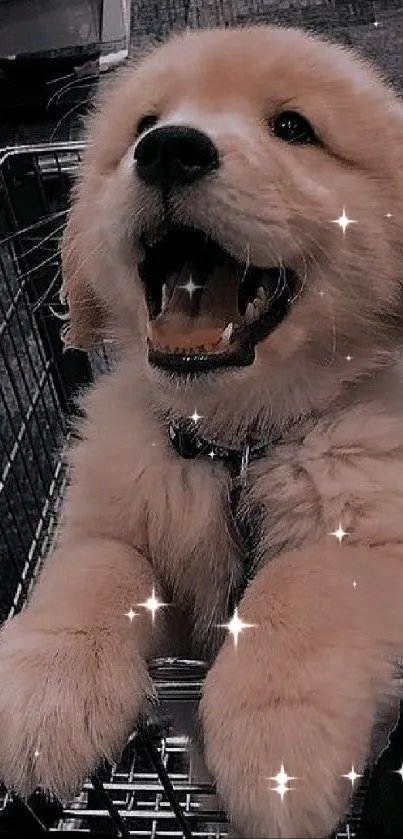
point(160, 787)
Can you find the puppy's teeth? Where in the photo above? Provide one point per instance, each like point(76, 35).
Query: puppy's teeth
point(226, 335)
point(261, 299)
point(164, 298)
point(250, 312)
point(260, 302)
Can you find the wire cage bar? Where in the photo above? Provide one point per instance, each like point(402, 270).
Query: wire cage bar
point(160, 787)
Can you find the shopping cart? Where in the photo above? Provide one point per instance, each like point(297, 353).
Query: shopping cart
point(160, 788)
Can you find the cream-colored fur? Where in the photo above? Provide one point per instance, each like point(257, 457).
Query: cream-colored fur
point(304, 686)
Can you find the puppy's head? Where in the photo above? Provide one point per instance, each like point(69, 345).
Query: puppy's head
point(239, 217)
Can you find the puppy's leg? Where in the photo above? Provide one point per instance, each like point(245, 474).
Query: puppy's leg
point(300, 691)
point(73, 671)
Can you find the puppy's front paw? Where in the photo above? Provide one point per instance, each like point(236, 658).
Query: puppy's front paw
point(68, 698)
point(255, 733)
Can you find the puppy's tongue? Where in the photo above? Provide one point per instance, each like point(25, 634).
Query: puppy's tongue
point(198, 308)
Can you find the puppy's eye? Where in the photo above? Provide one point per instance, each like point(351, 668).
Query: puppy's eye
point(293, 128)
point(146, 122)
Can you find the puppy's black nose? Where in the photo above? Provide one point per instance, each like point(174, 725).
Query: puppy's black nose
point(174, 155)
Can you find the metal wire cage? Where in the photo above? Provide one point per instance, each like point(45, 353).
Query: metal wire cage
point(160, 788)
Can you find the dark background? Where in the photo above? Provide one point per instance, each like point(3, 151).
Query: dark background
point(374, 27)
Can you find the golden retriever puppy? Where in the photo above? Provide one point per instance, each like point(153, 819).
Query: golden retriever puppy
point(237, 230)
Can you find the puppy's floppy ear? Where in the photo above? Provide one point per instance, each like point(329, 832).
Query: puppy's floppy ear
point(86, 325)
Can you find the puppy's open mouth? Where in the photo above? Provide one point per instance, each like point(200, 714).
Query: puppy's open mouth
point(206, 309)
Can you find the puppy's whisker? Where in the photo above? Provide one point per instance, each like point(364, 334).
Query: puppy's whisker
point(76, 83)
point(266, 222)
point(247, 263)
point(34, 226)
point(86, 300)
point(65, 116)
point(279, 287)
point(334, 344)
point(45, 239)
point(46, 293)
point(84, 261)
point(59, 79)
point(64, 316)
point(302, 285)
point(316, 243)
point(47, 261)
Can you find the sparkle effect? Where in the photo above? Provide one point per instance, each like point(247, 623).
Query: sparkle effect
point(352, 776)
point(130, 614)
point(235, 626)
point(282, 780)
point(339, 533)
point(399, 771)
point(348, 834)
point(190, 286)
point(195, 416)
point(153, 604)
point(344, 221)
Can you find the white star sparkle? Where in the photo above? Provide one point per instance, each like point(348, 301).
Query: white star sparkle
point(354, 583)
point(130, 614)
point(36, 753)
point(153, 604)
point(339, 533)
point(344, 221)
point(212, 454)
point(349, 357)
point(190, 286)
point(399, 771)
point(195, 416)
point(282, 780)
point(352, 776)
point(235, 626)
point(388, 215)
point(347, 834)
point(376, 23)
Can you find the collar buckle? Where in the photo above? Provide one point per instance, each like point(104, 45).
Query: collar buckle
point(190, 446)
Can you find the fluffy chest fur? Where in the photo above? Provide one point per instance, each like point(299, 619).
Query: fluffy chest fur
point(177, 511)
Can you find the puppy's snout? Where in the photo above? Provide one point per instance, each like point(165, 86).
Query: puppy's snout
point(174, 155)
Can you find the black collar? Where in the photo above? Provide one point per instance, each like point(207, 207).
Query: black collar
point(190, 445)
